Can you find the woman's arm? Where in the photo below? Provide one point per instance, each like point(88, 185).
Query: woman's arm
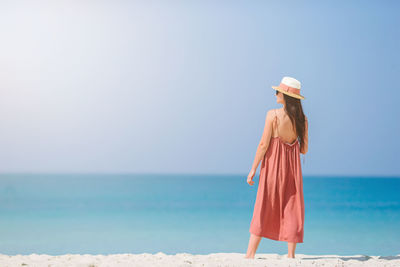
point(305, 147)
point(264, 142)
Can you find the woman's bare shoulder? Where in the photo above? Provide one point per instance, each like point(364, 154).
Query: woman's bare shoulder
point(273, 111)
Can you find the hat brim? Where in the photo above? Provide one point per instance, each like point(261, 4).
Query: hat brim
point(288, 93)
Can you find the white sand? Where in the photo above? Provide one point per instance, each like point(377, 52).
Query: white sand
point(185, 259)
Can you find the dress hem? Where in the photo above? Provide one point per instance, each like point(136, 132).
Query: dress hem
point(273, 237)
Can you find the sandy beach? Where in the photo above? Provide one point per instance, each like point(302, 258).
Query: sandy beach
point(186, 259)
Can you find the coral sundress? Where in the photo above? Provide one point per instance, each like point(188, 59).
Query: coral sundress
point(279, 207)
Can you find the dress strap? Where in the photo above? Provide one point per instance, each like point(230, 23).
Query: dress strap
point(276, 119)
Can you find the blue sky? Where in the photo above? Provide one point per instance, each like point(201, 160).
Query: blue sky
point(184, 86)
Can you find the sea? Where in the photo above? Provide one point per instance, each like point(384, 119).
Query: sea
point(188, 213)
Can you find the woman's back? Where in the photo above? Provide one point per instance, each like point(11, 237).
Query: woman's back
point(283, 127)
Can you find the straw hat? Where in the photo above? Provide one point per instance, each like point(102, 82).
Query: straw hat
point(290, 86)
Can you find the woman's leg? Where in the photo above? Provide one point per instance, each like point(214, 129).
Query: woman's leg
point(291, 249)
point(253, 245)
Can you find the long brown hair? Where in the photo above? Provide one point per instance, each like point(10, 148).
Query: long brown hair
point(295, 112)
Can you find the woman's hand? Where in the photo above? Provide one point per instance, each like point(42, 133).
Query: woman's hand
point(250, 177)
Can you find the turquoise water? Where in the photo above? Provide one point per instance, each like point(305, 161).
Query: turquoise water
point(103, 214)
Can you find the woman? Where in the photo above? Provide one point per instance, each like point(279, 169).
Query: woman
point(279, 207)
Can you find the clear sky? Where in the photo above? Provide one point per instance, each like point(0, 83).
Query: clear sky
point(184, 86)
